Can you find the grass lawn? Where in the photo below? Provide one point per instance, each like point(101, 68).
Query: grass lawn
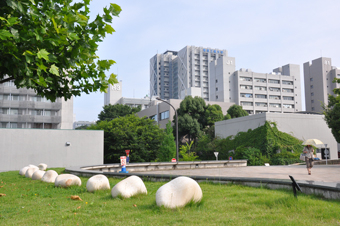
point(29, 202)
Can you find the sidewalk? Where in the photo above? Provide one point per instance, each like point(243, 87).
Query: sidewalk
point(321, 174)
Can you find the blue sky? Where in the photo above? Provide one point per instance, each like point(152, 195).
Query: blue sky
point(260, 34)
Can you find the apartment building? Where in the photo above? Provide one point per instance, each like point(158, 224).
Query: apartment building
point(176, 74)
point(23, 108)
point(319, 75)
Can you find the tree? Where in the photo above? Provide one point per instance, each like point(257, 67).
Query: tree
point(189, 127)
point(236, 111)
point(110, 111)
point(50, 46)
point(213, 114)
point(332, 112)
point(140, 135)
point(167, 151)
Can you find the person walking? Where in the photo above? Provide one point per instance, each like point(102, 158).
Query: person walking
point(309, 151)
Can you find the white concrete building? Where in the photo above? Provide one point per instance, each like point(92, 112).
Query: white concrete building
point(23, 108)
point(301, 126)
point(319, 76)
point(211, 74)
point(114, 96)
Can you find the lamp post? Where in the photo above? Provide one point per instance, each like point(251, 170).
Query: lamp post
point(176, 125)
point(326, 153)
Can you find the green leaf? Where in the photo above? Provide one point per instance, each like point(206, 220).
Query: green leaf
point(54, 70)
point(12, 4)
point(43, 54)
point(29, 52)
point(12, 20)
point(115, 9)
point(41, 66)
point(109, 29)
point(4, 34)
point(55, 25)
point(113, 79)
point(42, 81)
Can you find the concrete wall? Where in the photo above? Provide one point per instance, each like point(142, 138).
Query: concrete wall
point(21, 147)
point(301, 126)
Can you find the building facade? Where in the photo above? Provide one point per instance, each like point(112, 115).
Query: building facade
point(23, 108)
point(319, 76)
point(212, 75)
point(176, 74)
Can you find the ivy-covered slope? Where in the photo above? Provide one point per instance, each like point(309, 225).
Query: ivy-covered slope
point(264, 144)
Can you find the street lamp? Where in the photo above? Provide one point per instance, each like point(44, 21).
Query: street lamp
point(176, 125)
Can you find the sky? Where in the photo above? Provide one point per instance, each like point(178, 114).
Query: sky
point(260, 34)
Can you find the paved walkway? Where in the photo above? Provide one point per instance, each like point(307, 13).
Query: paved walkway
point(321, 174)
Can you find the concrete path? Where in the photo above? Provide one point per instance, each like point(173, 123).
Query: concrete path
point(321, 174)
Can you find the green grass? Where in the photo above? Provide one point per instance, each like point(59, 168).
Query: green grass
point(29, 202)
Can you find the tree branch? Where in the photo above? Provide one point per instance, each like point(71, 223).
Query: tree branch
point(6, 80)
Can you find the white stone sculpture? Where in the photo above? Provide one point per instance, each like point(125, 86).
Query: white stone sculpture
point(42, 166)
point(129, 187)
point(49, 176)
point(30, 171)
point(67, 180)
point(22, 172)
point(97, 182)
point(37, 175)
point(178, 192)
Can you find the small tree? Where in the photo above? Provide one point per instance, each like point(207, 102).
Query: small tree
point(186, 154)
point(167, 151)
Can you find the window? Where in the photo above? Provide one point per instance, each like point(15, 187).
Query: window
point(287, 82)
point(246, 87)
point(311, 79)
point(263, 80)
point(216, 89)
point(274, 89)
point(261, 96)
point(14, 111)
point(274, 105)
point(216, 81)
point(274, 81)
point(246, 95)
point(312, 101)
point(216, 97)
point(274, 97)
point(287, 90)
point(311, 86)
point(260, 104)
point(288, 98)
point(165, 115)
point(247, 79)
point(261, 88)
point(288, 105)
point(312, 94)
point(153, 117)
point(243, 103)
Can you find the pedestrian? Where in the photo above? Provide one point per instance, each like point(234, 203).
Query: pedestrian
point(309, 151)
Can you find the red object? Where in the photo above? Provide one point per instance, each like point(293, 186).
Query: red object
point(127, 152)
point(123, 160)
point(173, 160)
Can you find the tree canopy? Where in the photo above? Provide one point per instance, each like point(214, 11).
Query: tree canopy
point(236, 111)
point(110, 111)
point(50, 46)
point(140, 135)
point(332, 112)
point(167, 151)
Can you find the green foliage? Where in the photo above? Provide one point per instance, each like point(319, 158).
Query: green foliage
point(226, 117)
point(140, 135)
point(253, 155)
point(50, 46)
point(84, 127)
point(110, 111)
point(332, 112)
point(237, 111)
point(245, 145)
point(188, 126)
point(186, 154)
point(213, 114)
point(167, 151)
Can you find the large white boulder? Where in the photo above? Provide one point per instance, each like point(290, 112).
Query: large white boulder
point(42, 166)
point(67, 180)
point(128, 187)
point(30, 171)
point(178, 192)
point(49, 176)
point(37, 175)
point(97, 182)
